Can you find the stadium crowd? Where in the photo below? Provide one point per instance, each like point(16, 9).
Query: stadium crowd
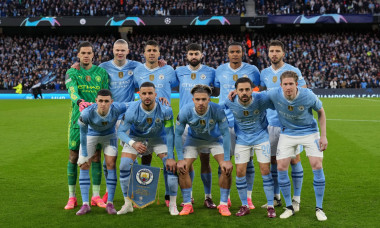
point(326, 60)
point(32, 8)
point(280, 7)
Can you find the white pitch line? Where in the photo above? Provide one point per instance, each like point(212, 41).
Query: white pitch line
point(376, 121)
point(369, 99)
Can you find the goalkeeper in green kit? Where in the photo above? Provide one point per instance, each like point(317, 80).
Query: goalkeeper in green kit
point(83, 85)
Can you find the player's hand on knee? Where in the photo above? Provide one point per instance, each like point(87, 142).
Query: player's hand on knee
point(226, 167)
point(231, 95)
point(171, 165)
point(181, 167)
point(323, 143)
point(139, 147)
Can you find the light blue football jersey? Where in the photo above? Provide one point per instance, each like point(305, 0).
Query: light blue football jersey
point(144, 124)
point(270, 78)
point(225, 78)
point(296, 116)
point(163, 78)
point(188, 78)
point(250, 121)
point(121, 82)
point(101, 125)
point(209, 127)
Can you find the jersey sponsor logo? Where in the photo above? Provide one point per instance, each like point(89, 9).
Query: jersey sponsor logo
point(245, 76)
point(290, 108)
point(88, 87)
point(158, 120)
point(88, 78)
point(301, 108)
point(149, 120)
point(245, 113)
point(161, 77)
point(274, 79)
point(144, 176)
point(202, 122)
point(130, 72)
point(193, 76)
point(203, 77)
point(256, 112)
point(98, 78)
point(121, 74)
point(104, 123)
point(235, 77)
point(151, 77)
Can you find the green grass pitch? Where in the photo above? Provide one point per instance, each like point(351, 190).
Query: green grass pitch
point(33, 182)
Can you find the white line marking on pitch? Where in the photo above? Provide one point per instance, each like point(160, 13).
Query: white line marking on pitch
point(376, 121)
point(369, 99)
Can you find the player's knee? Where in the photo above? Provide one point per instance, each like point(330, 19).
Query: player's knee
point(295, 160)
point(264, 170)
point(73, 156)
point(240, 172)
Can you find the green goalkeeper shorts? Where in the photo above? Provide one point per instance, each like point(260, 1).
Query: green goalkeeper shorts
point(74, 139)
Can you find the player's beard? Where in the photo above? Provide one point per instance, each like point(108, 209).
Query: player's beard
point(195, 62)
point(276, 62)
point(247, 99)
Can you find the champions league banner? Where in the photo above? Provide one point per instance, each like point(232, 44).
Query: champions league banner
point(317, 19)
point(143, 185)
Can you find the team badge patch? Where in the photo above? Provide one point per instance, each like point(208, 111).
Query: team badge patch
point(149, 120)
point(245, 113)
point(158, 120)
point(274, 79)
point(202, 122)
point(151, 77)
point(121, 74)
point(211, 121)
point(256, 112)
point(144, 176)
point(73, 143)
point(193, 76)
point(130, 72)
point(161, 77)
point(290, 108)
point(104, 123)
point(301, 108)
point(203, 77)
point(88, 78)
point(235, 77)
point(245, 76)
point(98, 78)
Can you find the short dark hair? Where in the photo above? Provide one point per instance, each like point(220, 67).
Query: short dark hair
point(201, 89)
point(85, 44)
point(152, 43)
point(104, 92)
point(289, 74)
point(235, 44)
point(244, 80)
point(194, 47)
point(147, 84)
point(277, 43)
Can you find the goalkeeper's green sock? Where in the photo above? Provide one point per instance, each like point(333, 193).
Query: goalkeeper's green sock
point(96, 173)
point(72, 178)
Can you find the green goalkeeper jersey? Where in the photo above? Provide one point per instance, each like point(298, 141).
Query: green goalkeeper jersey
point(84, 84)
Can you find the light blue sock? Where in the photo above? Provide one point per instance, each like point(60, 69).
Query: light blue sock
point(84, 183)
point(111, 184)
point(165, 176)
point(172, 183)
point(207, 182)
point(186, 194)
point(192, 176)
point(268, 188)
point(105, 171)
point(297, 177)
point(250, 175)
point(319, 186)
point(125, 172)
point(273, 170)
point(224, 195)
point(284, 183)
point(241, 185)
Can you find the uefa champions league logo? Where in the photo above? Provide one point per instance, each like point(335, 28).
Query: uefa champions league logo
point(144, 176)
point(113, 22)
point(29, 23)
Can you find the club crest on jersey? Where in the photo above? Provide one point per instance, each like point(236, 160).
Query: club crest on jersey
point(245, 113)
point(301, 108)
point(235, 77)
point(121, 74)
point(98, 78)
point(202, 122)
point(149, 120)
point(88, 78)
point(161, 77)
point(290, 108)
point(211, 121)
point(274, 79)
point(193, 76)
point(151, 77)
point(203, 77)
point(245, 76)
point(144, 176)
point(104, 123)
point(130, 72)
point(158, 120)
point(256, 112)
